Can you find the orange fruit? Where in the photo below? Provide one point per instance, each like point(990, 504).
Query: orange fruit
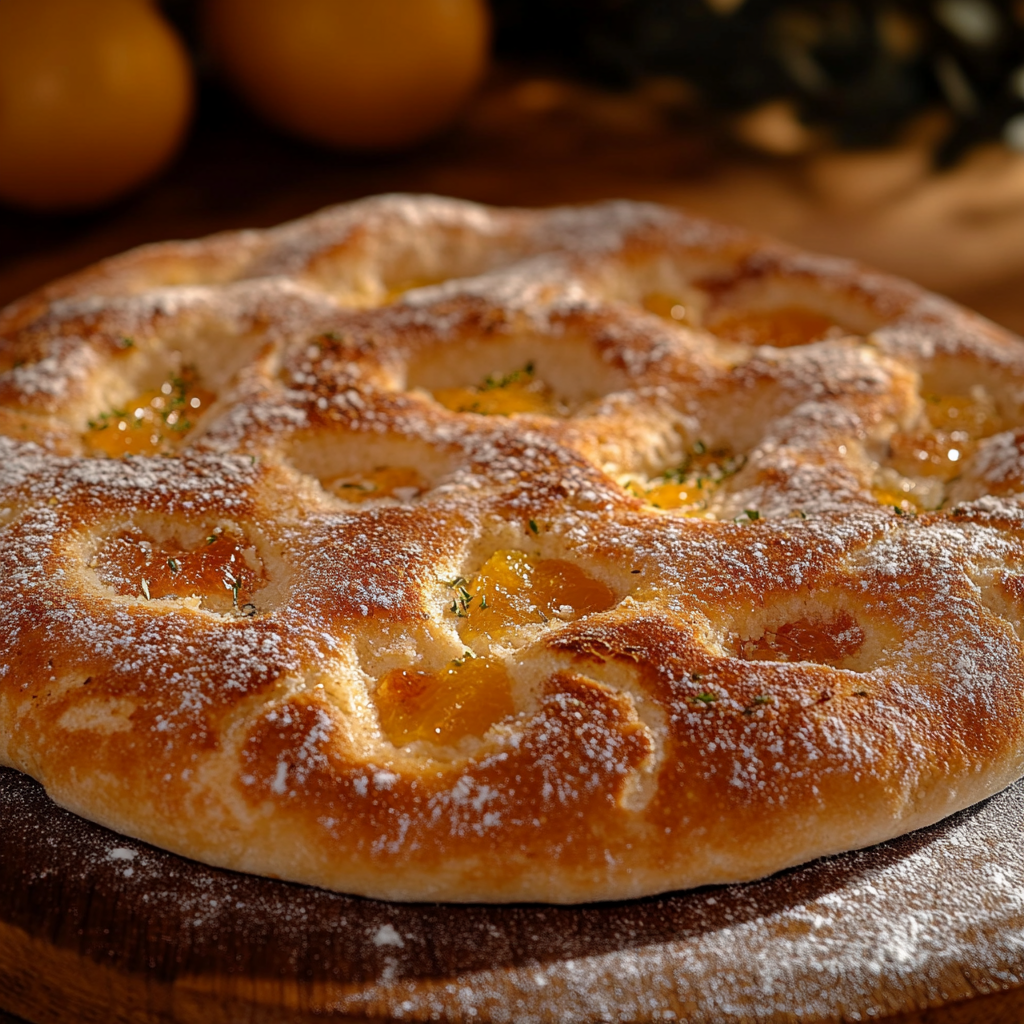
point(95, 96)
point(360, 74)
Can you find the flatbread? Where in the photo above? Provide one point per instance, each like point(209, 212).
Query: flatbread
point(427, 551)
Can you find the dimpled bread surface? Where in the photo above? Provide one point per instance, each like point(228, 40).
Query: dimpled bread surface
point(427, 551)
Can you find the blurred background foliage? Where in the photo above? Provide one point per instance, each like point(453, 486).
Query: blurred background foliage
point(858, 70)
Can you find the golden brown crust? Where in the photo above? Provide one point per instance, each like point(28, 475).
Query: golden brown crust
point(784, 667)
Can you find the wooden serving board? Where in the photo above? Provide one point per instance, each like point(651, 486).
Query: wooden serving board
point(98, 928)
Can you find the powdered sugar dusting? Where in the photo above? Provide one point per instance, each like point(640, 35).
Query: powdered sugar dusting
point(791, 662)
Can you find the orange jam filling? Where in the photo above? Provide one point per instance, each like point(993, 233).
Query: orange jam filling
point(907, 500)
point(153, 422)
point(396, 291)
point(515, 589)
point(691, 497)
point(224, 572)
point(519, 391)
point(401, 482)
point(464, 699)
point(955, 425)
point(785, 327)
point(689, 486)
point(827, 643)
point(669, 307)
